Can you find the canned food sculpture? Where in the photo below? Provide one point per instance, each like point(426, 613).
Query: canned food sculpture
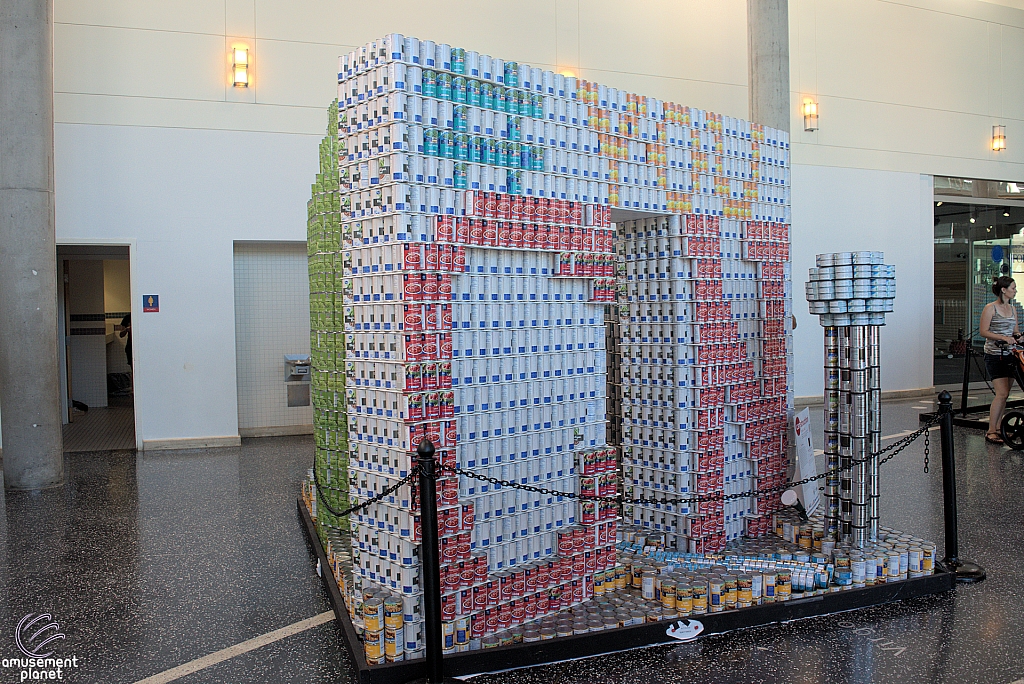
point(851, 292)
point(704, 361)
point(461, 258)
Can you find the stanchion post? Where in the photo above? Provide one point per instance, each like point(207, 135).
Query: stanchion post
point(431, 565)
point(964, 571)
point(965, 389)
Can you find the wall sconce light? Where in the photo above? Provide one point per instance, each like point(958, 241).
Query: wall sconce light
point(810, 110)
point(240, 67)
point(998, 138)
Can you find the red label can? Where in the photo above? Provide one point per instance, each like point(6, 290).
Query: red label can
point(518, 583)
point(515, 235)
point(462, 230)
point(504, 206)
point(529, 236)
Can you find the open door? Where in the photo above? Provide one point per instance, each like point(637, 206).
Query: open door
point(96, 373)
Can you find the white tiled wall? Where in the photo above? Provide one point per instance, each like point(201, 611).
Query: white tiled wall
point(88, 369)
point(87, 352)
point(271, 320)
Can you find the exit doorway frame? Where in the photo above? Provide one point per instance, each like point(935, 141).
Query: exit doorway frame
point(136, 311)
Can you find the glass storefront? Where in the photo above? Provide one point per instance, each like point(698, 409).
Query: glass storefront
point(979, 235)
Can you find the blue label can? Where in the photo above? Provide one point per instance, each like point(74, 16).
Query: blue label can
point(429, 83)
point(459, 93)
point(444, 86)
point(473, 92)
point(459, 60)
point(512, 74)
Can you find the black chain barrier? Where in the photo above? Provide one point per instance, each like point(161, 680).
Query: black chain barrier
point(894, 448)
point(413, 474)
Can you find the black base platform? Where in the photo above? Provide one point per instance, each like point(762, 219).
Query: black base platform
point(596, 643)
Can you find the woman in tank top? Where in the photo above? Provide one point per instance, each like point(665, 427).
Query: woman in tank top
point(999, 325)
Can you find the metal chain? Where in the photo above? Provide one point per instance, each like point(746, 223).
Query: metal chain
point(358, 507)
point(894, 448)
point(927, 448)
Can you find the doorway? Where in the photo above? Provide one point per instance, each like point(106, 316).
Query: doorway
point(976, 240)
point(96, 357)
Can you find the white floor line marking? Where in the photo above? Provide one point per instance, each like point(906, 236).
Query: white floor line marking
point(819, 452)
point(238, 649)
point(908, 432)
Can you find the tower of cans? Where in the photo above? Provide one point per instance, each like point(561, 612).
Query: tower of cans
point(468, 280)
point(327, 347)
point(851, 292)
point(473, 289)
point(705, 318)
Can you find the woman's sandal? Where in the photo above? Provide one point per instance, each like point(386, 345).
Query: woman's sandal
point(993, 438)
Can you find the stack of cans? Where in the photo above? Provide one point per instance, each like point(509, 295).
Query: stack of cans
point(798, 561)
point(435, 124)
point(327, 344)
point(851, 288)
point(472, 306)
point(460, 269)
point(379, 619)
point(705, 357)
point(851, 291)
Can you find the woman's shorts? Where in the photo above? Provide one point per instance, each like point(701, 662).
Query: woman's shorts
point(999, 366)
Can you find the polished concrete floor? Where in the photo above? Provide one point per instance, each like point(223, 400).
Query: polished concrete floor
point(152, 561)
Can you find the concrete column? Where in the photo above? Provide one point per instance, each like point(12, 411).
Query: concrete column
point(29, 383)
point(768, 62)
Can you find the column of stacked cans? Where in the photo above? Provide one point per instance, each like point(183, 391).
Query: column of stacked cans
point(851, 293)
point(613, 335)
point(473, 317)
point(704, 373)
point(326, 337)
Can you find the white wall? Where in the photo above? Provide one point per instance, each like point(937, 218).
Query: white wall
point(271, 320)
point(154, 148)
point(842, 210)
point(910, 86)
point(183, 196)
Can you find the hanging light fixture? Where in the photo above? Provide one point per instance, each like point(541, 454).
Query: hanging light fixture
point(810, 111)
point(998, 138)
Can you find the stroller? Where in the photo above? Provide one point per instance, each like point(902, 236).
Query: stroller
point(1012, 426)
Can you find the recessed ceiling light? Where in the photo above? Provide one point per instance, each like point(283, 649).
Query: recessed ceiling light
point(938, 204)
point(1006, 213)
point(972, 219)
